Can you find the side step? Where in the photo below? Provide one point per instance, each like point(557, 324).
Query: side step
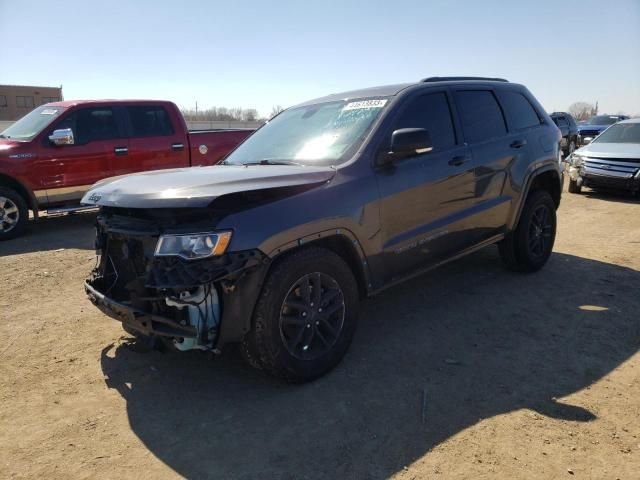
point(69, 209)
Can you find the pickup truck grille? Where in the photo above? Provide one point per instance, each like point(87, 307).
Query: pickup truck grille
point(612, 167)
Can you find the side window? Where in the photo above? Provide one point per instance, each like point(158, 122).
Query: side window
point(520, 112)
point(432, 113)
point(149, 121)
point(481, 116)
point(91, 124)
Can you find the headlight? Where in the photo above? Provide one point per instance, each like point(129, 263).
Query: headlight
point(576, 160)
point(193, 246)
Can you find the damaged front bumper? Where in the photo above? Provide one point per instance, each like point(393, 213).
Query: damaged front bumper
point(191, 304)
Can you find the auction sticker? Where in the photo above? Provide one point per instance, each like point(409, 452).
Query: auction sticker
point(374, 103)
point(48, 112)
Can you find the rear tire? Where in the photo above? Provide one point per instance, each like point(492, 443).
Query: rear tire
point(529, 246)
point(574, 187)
point(14, 214)
point(305, 317)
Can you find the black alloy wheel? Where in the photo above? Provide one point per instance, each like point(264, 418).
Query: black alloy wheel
point(312, 316)
point(540, 231)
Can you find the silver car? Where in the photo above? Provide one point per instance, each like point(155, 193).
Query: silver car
point(611, 161)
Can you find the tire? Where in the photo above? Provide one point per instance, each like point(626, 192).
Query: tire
point(14, 214)
point(292, 338)
point(574, 187)
point(529, 246)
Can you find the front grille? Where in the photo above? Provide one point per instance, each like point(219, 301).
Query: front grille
point(615, 167)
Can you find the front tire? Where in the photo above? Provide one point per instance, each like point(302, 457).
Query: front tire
point(529, 246)
point(574, 187)
point(305, 317)
point(14, 214)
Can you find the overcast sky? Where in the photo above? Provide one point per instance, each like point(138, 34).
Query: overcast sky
point(262, 53)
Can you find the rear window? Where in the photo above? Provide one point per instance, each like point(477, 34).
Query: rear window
point(519, 110)
point(149, 121)
point(481, 116)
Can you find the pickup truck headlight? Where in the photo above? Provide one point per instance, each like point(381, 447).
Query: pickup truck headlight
point(193, 246)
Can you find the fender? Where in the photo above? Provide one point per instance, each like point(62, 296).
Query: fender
point(238, 312)
point(21, 188)
point(536, 171)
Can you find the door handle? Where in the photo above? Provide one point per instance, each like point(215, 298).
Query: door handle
point(518, 143)
point(121, 150)
point(459, 160)
point(176, 147)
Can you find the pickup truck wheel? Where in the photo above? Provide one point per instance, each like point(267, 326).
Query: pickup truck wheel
point(306, 315)
point(574, 187)
point(529, 246)
point(14, 214)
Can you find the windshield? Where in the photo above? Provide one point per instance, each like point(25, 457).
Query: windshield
point(32, 123)
point(620, 133)
point(603, 120)
point(320, 134)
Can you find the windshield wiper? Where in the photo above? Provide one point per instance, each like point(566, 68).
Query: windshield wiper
point(273, 161)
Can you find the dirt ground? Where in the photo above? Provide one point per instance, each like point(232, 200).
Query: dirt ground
point(467, 372)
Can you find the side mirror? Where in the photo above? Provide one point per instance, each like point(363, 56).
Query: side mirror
point(63, 136)
point(408, 142)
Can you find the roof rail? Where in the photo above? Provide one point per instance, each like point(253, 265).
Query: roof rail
point(455, 79)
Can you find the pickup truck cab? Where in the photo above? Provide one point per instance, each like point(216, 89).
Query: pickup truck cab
point(332, 200)
point(50, 157)
point(569, 130)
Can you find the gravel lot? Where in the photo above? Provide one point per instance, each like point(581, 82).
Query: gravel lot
point(466, 372)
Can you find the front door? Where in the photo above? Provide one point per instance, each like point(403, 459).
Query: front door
point(421, 197)
point(68, 171)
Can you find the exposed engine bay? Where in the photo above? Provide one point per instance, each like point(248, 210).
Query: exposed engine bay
point(178, 301)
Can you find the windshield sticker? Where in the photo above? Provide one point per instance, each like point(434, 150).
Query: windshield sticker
point(375, 103)
point(48, 112)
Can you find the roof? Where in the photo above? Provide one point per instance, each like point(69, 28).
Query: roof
point(73, 103)
point(395, 89)
point(630, 120)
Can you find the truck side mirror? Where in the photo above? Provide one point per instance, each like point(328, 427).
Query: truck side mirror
point(63, 136)
point(407, 142)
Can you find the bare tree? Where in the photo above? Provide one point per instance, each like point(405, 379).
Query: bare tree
point(275, 110)
point(221, 114)
point(582, 110)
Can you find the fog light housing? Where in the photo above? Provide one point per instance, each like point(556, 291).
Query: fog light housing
point(193, 246)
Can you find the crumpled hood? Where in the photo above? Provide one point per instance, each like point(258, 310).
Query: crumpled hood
point(610, 150)
point(198, 186)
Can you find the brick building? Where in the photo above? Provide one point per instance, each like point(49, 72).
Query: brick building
point(18, 100)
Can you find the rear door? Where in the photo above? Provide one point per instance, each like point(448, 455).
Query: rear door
point(422, 196)
point(154, 143)
point(68, 171)
point(494, 149)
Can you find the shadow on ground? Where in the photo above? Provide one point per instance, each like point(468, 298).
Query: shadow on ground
point(53, 233)
point(474, 340)
point(612, 196)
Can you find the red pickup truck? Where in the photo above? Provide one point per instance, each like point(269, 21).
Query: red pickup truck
point(50, 157)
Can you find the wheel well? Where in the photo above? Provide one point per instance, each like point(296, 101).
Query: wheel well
point(342, 246)
point(549, 181)
point(6, 181)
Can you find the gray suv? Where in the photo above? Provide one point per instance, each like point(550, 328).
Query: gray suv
point(331, 201)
